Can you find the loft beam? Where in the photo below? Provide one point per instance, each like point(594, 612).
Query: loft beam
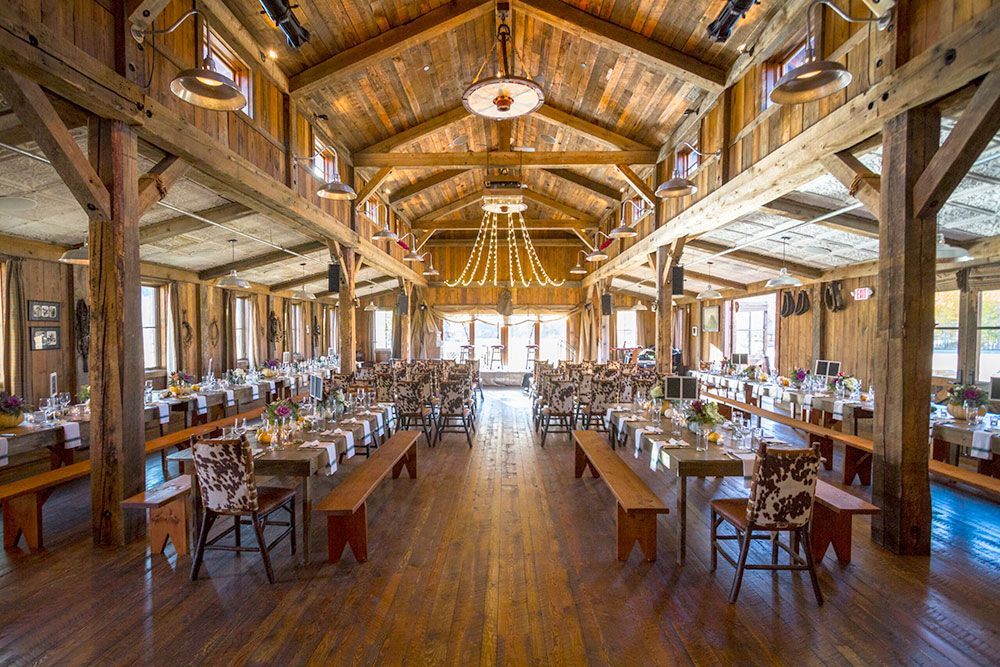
point(184, 224)
point(540, 159)
point(598, 188)
point(154, 184)
point(414, 189)
point(257, 261)
point(861, 182)
point(371, 186)
point(589, 129)
point(756, 259)
point(637, 184)
point(845, 222)
point(419, 131)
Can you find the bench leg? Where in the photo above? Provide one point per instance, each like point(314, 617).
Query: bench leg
point(169, 521)
point(858, 463)
point(639, 527)
point(582, 463)
point(410, 461)
point(940, 450)
point(825, 446)
point(343, 530)
point(829, 527)
point(22, 515)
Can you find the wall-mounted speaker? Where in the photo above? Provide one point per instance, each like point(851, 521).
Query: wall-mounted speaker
point(677, 280)
point(333, 278)
point(402, 304)
point(606, 308)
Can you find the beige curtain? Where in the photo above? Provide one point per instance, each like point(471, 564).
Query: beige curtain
point(584, 349)
point(259, 330)
point(17, 349)
point(424, 325)
point(174, 346)
point(228, 331)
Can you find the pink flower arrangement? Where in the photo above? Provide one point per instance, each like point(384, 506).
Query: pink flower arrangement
point(960, 393)
point(11, 404)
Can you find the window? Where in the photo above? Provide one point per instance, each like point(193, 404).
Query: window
point(383, 330)
point(331, 329)
point(295, 342)
point(454, 334)
point(371, 210)
point(487, 331)
point(687, 159)
point(625, 328)
point(519, 336)
point(151, 305)
point(243, 329)
point(945, 359)
point(788, 60)
point(231, 65)
point(988, 363)
point(552, 341)
point(324, 159)
point(753, 328)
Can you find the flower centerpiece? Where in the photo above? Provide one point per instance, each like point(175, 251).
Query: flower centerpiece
point(727, 366)
point(656, 391)
point(269, 369)
point(237, 376)
point(11, 410)
point(83, 395)
point(180, 384)
point(280, 411)
point(848, 384)
point(959, 394)
point(751, 373)
point(797, 376)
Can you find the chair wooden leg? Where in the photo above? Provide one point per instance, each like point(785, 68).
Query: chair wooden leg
point(715, 541)
point(164, 465)
point(262, 543)
point(741, 564)
point(545, 428)
point(812, 566)
point(238, 530)
point(348, 530)
point(199, 552)
point(291, 519)
point(468, 436)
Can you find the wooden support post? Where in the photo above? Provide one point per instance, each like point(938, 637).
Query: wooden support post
point(347, 317)
point(905, 329)
point(290, 112)
point(405, 323)
point(666, 258)
point(604, 346)
point(116, 422)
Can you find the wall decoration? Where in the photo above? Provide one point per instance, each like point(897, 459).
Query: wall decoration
point(45, 338)
point(274, 332)
point(82, 324)
point(214, 335)
point(44, 311)
point(187, 331)
point(710, 319)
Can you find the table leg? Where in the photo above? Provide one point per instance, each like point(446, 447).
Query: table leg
point(306, 515)
point(681, 518)
point(196, 508)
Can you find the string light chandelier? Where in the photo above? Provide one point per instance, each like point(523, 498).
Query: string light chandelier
point(503, 212)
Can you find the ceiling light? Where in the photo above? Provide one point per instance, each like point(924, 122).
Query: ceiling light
point(385, 234)
point(679, 185)
point(232, 280)
point(78, 256)
point(596, 255)
point(272, 54)
point(505, 95)
point(504, 204)
point(639, 305)
point(413, 256)
point(709, 292)
point(206, 88)
point(578, 270)
point(623, 231)
point(783, 279)
point(429, 269)
point(16, 204)
point(301, 294)
point(335, 189)
point(816, 79)
point(370, 308)
point(950, 253)
point(427, 68)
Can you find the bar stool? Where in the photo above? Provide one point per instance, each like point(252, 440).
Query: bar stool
point(468, 352)
point(494, 355)
point(531, 354)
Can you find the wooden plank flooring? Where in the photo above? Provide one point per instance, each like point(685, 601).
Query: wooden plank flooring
point(499, 556)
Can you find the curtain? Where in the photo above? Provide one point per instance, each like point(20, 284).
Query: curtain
point(259, 337)
point(397, 335)
point(228, 332)
point(16, 353)
point(251, 330)
point(174, 361)
point(584, 349)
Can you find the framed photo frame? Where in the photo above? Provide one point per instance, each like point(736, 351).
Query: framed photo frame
point(44, 311)
point(710, 319)
point(45, 338)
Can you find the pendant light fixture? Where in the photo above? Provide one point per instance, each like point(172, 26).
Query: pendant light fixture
point(783, 279)
point(371, 307)
point(816, 79)
point(301, 294)
point(429, 269)
point(597, 253)
point(639, 306)
point(334, 188)
point(623, 230)
point(79, 256)
point(385, 234)
point(950, 253)
point(679, 185)
point(202, 86)
point(578, 269)
point(504, 95)
point(412, 255)
point(709, 293)
point(232, 280)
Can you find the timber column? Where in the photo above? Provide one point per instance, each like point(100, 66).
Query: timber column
point(346, 317)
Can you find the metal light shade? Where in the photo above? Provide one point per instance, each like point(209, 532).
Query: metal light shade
point(336, 189)
point(233, 281)
point(639, 305)
point(413, 256)
point(302, 295)
point(596, 255)
point(204, 87)
point(578, 270)
point(809, 82)
point(79, 256)
point(429, 270)
point(503, 97)
point(622, 231)
point(950, 253)
point(370, 308)
point(783, 279)
point(384, 234)
point(677, 186)
point(709, 294)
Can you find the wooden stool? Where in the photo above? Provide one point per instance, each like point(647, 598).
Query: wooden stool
point(531, 354)
point(167, 505)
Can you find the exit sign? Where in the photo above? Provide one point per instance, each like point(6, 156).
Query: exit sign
point(862, 293)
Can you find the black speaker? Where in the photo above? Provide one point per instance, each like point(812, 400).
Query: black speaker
point(402, 304)
point(606, 304)
point(677, 280)
point(333, 278)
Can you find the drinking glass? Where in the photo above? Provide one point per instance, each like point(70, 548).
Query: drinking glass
point(971, 412)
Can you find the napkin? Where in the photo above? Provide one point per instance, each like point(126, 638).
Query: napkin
point(202, 402)
point(674, 444)
point(273, 385)
point(349, 436)
point(982, 447)
point(255, 391)
point(3, 452)
point(164, 409)
point(748, 459)
point(329, 465)
point(230, 398)
point(838, 408)
point(654, 458)
point(71, 435)
point(638, 440)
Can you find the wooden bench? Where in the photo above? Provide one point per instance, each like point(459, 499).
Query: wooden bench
point(167, 505)
point(833, 512)
point(637, 504)
point(346, 506)
point(971, 478)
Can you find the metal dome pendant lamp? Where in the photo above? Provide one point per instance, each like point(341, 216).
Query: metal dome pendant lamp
point(301, 294)
point(816, 79)
point(783, 279)
point(505, 95)
point(709, 293)
point(232, 280)
point(334, 188)
point(679, 185)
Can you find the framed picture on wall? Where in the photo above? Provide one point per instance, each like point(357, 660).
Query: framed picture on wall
point(44, 311)
point(45, 338)
point(710, 319)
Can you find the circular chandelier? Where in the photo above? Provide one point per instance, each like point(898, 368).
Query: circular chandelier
point(505, 95)
point(503, 212)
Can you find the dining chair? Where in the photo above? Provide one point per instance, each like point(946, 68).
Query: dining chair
point(227, 486)
point(454, 414)
point(559, 408)
point(782, 492)
point(412, 409)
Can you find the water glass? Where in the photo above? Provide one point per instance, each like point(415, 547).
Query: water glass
point(971, 412)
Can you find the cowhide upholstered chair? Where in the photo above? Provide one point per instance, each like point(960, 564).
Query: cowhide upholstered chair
point(604, 392)
point(781, 500)
point(454, 415)
point(558, 408)
point(227, 487)
point(412, 408)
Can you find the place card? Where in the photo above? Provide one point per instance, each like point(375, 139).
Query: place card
point(255, 391)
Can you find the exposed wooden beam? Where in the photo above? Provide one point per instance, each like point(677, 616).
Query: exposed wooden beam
point(503, 134)
point(142, 13)
point(637, 184)
point(470, 160)
point(748, 257)
point(371, 186)
point(845, 222)
point(299, 280)
point(473, 225)
point(183, 224)
point(974, 130)
point(388, 44)
point(450, 207)
point(861, 182)
point(555, 204)
point(609, 35)
point(598, 188)
point(37, 114)
point(265, 259)
point(414, 189)
point(155, 183)
point(589, 129)
point(538, 243)
point(417, 132)
point(715, 281)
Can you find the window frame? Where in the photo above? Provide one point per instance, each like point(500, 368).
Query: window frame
point(774, 68)
point(634, 330)
point(241, 322)
point(159, 297)
point(296, 342)
point(212, 43)
point(957, 328)
point(324, 159)
point(386, 331)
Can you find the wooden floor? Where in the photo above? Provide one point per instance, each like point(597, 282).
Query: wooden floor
point(497, 555)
